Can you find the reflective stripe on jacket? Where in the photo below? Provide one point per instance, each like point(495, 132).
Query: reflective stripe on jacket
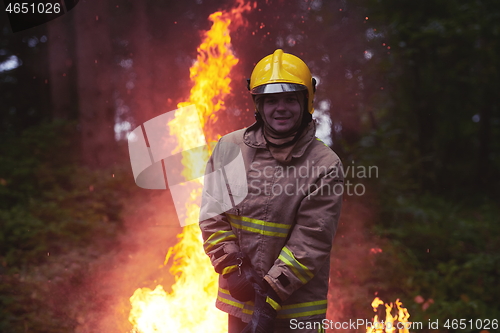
point(284, 219)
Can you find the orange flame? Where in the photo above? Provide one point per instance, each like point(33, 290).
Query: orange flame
point(391, 323)
point(215, 60)
point(190, 307)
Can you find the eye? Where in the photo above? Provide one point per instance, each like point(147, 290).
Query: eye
point(271, 100)
point(291, 99)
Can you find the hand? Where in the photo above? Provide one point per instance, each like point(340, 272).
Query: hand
point(241, 277)
point(241, 282)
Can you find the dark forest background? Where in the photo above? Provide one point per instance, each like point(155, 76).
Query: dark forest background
point(411, 87)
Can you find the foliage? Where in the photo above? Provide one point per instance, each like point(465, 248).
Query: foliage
point(56, 218)
point(434, 136)
point(451, 255)
point(440, 254)
point(440, 74)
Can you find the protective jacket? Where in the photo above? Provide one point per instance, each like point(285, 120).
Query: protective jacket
point(283, 217)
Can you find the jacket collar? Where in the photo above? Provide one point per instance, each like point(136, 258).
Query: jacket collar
point(253, 137)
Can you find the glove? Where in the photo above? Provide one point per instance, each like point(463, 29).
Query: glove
point(240, 277)
point(267, 302)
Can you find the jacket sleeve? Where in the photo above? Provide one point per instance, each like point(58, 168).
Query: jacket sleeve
point(218, 237)
point(311, 239)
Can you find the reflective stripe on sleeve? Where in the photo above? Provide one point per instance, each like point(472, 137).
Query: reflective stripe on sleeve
point(302, 309)
point(259, 226)
point(273, 303)
point(217, 237)
point(225, 297)
point(229, 269)
point(299, 270)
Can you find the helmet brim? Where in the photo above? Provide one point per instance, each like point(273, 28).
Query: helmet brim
point(276, 88)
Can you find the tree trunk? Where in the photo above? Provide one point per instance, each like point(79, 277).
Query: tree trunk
point(142, 94)
point(62, 73)
point(484, 136)
point(95, 85)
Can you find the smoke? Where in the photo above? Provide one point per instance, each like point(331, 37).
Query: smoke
point(353, 260)
point(151, 227)
point(323, 122)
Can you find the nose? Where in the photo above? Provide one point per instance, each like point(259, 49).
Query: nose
point(281, 104)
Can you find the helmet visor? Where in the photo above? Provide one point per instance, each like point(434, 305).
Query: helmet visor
point(275, 88)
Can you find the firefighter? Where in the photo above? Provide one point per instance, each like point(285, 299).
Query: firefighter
point(268, 229)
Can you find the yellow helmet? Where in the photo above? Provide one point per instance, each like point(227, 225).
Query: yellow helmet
point(282, 72)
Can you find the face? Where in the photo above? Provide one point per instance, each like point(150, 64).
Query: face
point(282, 111)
